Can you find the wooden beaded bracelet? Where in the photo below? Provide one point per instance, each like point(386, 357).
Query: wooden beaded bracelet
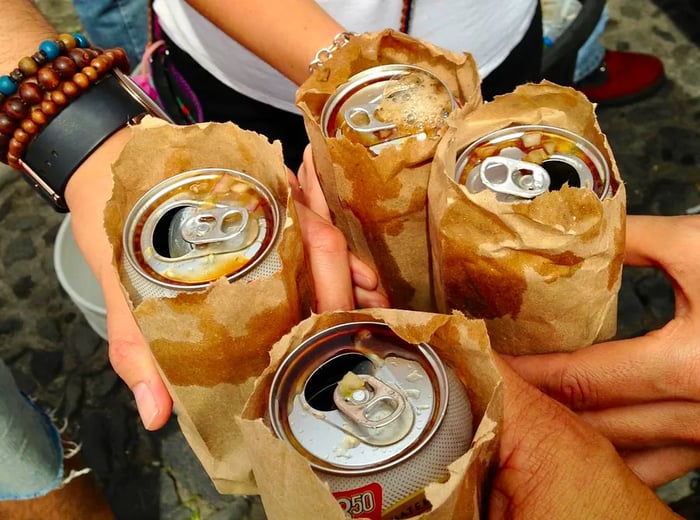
point(46, 106)
point(24, 85)
point(31, 91)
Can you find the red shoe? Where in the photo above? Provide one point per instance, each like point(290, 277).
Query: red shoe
point(622, 78)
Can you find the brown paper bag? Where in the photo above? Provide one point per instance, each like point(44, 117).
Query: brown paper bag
point(212, 344)
point(543, 274)
point(288, 486)
point(379, 202)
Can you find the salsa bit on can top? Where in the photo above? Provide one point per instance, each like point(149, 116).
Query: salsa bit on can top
point(522, 162)
point(387, 105)
point(376, 417)
point(201, 225)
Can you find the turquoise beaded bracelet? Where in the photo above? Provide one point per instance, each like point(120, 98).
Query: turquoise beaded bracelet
point(48, 51)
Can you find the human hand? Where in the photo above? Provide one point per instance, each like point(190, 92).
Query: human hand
point(642, 393)
point(87, 194)
point(341, 280)
point(553, 465)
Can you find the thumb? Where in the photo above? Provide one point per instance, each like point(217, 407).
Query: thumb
point(553, 465)
point(132, 360)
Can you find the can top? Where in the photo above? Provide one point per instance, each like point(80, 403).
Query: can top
point(356, 398)
point(200, 225)
point(524, 161)
point(387, 105)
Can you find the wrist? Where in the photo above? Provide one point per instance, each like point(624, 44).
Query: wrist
point(89, 188)
point(86, 195)
point(78, 130)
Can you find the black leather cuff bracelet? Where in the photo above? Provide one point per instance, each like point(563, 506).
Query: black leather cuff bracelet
point(62, 146)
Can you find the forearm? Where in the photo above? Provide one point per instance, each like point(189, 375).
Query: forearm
point(22, 28)
point(284, 33)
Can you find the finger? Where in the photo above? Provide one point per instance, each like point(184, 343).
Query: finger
point(668, 243)
point(662, 365)
point(551, 463)
point(365, 299)
point(129, 353)
point(313, 194)
point(297, 192)
point(328, 258)
point(651, 240)
point(648, 425)
point(362, 274)
point(365, 285)
point(132, 360)
point(659, 466)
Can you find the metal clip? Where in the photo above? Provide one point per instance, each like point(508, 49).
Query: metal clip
point(514, 177)
point(206, 227)
point(368, 110)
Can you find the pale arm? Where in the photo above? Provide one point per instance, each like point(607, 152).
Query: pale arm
point(284, 33)
point(22, 28)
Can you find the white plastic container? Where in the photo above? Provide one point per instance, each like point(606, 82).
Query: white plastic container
point(77, 279)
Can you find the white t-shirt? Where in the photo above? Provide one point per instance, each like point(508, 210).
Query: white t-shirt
point(488, 29)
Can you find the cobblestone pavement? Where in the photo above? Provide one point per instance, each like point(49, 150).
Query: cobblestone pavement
point(58, 359)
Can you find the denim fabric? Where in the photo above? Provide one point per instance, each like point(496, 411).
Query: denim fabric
point(31, 454)
point(591, 53)
point(116, 23)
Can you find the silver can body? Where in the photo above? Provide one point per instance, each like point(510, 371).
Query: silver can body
point(377, 418)
point(196, 227)
point(388, 105)
point(519, 163)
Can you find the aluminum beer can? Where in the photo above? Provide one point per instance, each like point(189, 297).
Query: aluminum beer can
point(521, 162)
point(377, 418)
point(387, 105)
point(198, 226)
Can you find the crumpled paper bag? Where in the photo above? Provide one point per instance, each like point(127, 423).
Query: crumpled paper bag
point(379, 202)
point(288, 486)
point(212, 344)
point(544, 274)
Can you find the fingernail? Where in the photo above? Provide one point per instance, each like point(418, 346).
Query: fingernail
point(146, 404)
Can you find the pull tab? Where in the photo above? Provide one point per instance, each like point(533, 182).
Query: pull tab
point(212, 225)
point(381, 412)
point(367, 110)
point(514, 177)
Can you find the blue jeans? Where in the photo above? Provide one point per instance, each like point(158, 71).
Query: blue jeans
point(591, 53)
point(116, 23)
point(31, 453)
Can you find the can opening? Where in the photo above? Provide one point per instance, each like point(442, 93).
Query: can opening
point(319, 388)
point(161, 233)
point(561, 173)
